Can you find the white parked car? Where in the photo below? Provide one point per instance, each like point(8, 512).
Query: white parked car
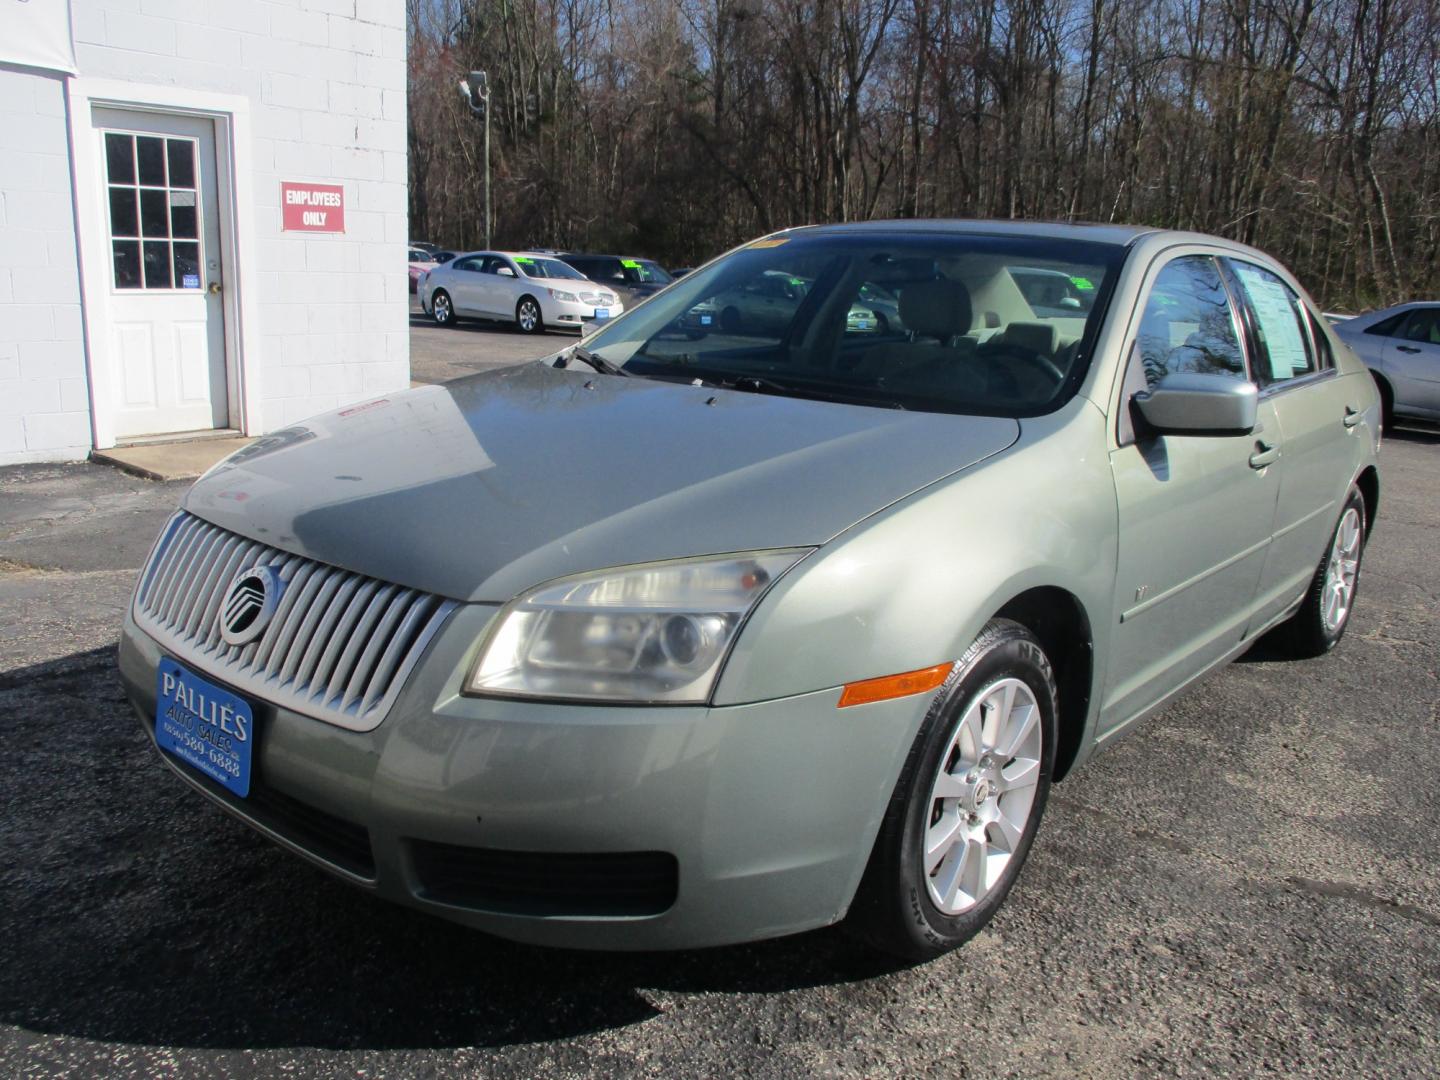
point(1401, 346)
point(533, 290)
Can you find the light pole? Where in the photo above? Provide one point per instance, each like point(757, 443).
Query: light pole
point(475, 89)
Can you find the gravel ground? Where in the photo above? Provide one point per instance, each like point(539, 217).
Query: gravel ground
point(1248, 886)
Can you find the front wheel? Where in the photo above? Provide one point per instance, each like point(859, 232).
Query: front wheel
point(1320, 623)
point(527, 316)
point(968, 802)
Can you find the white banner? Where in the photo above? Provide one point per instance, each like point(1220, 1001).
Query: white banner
point(37, 33)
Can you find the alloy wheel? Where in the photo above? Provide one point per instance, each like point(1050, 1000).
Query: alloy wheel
point(440, 305)
point(1341, 570)
point(982, 795)
point(528, 316)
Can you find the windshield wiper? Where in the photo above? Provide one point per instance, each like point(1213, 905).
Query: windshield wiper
point(594, 360)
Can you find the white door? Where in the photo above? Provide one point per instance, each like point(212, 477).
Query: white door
point(166, 318)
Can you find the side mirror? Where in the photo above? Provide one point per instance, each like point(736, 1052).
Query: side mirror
point(505, 271)
point(1191, 403)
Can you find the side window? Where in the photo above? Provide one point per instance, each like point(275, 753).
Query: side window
point(1387, 327)
point(1188, 324)
point(1422, 325)
point(472, 264)
point(1285, 350)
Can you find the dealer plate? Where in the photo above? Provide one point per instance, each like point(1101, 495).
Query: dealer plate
point(208, 728)
point(602, 313)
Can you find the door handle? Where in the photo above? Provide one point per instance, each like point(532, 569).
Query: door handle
point(1265, 454)
point(1407, 348)
point(1351, 417)
point(214, 289)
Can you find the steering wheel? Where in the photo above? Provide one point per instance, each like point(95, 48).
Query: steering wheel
point(998, 363)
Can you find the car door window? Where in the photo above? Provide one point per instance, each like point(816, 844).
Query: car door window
point(1423, 325)
point(1279, 321)
point(1188, 324)
point(1387, 327)
point(472, 263)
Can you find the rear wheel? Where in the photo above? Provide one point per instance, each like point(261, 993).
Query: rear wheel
point(527, 316)
point(968, 802)
point(1320, 623)
point(441, 309)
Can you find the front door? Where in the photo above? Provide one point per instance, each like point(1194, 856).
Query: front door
point(166, 320)
point(1195, 511)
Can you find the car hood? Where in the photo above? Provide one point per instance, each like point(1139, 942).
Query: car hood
point(483, 487)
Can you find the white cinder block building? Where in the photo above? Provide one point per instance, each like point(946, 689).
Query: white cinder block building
point(202, 216)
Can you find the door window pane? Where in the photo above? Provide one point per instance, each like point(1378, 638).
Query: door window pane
point(183, 222)
point(1279, 324)
point(187, 265)
point(1188, 324)
point(157, 265)
point(182, 163)
point(124, 219)
point(154, 218)
point(127, 264)
point(120, 158)
point(150, 153)
point(1423, 325)
point(1386, 327)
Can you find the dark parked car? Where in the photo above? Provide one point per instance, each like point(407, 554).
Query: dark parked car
point(633, 279)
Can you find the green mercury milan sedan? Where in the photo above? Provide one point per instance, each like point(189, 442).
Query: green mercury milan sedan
point(702, 631)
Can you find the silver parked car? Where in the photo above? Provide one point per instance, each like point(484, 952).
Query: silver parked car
point(535, 290)
point(1401, 345)
point(677, 640)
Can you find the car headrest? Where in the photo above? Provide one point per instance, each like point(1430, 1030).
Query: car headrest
point(1037, 337)
point(938, 309)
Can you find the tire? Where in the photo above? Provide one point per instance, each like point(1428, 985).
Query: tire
point(1321, 621)
point(528, 319)
point(1387, 404)
point(442, 309)
point(914, 912)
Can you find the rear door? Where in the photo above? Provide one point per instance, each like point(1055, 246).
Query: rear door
point(466, 286)
point(1194, 512)
point(1318, 414)
point(1412, 360)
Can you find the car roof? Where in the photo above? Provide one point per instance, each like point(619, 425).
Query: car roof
point(1121, 235)
point(599, 255)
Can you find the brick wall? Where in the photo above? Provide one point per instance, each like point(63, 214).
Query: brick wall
point(326, 84)
point(44, 404)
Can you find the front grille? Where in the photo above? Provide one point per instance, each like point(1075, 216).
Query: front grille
point(540, 883)
point(338, 647)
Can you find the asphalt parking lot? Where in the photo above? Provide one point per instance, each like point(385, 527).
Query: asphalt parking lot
point(441, 353)
point(1247, 886)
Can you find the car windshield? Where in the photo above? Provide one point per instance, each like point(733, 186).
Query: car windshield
point(644, 272)
point(930, 321)
point(538, 267)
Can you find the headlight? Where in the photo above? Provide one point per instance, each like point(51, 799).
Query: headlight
point(561, 294)
point(654, 633)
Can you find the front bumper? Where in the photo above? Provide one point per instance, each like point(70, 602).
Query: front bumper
point(566, 313)
point(763, 815)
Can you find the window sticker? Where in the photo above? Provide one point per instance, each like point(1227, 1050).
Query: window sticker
point(1082, 283)
point(190, 281)
point(630, 264)
point(1279, 325)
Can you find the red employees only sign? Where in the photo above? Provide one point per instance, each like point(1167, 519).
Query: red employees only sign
point(312, 207)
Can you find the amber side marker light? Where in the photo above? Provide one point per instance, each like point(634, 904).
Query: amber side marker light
point(893, 686)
